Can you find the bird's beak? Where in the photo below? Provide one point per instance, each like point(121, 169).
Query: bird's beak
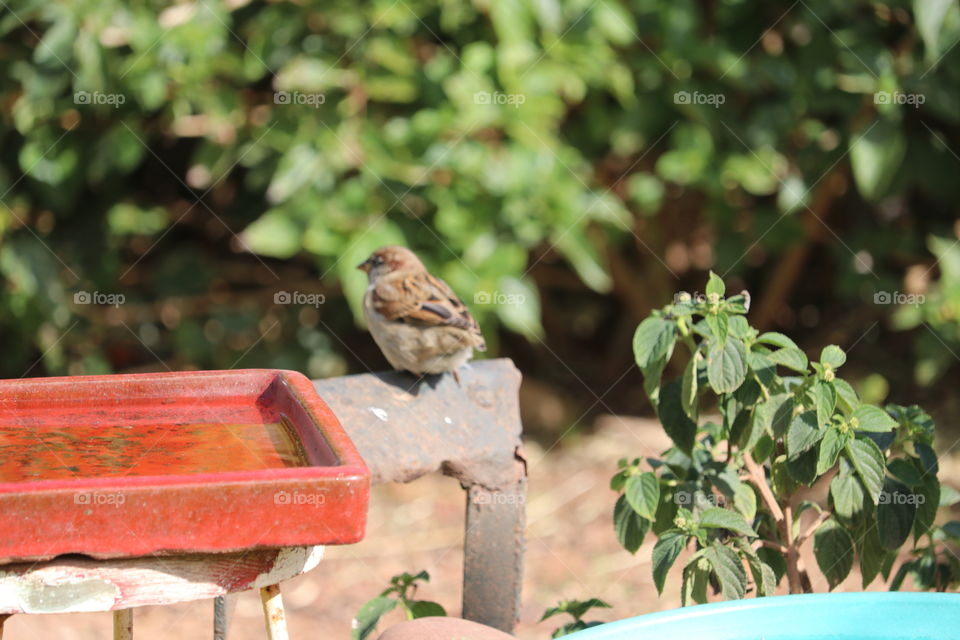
point(365, 265)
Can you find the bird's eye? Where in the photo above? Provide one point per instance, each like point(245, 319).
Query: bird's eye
point(378, 260)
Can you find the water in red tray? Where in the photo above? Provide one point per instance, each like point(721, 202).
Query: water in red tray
point(85, 451)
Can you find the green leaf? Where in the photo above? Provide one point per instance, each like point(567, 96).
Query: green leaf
point(875, 155)
point(764, 368)
point(522, 313)
point(871, 553)
point(727, 365)
point(833, 355)
point(643, 494)
point(764, 576)
point(803, 468)
point(928, 458)
point(666, 511)
point(803, 434)
point(689, 389)
point(681, 429)
point(774, 560)
point(739, 328)
point(895, 513)
point(629, 526)
point(745, 501)
point(719, 326)
point(653, 340)
point(728, 569)
point(619, 480)
point(873, 419)
point(583, 256)
point(576, 608)
point(867, 459)
point(777, 413)
point(905, 472)
point(847, 398)
point(833, 549)
point(781, 479)
point(825, 398)
point(426, 609)
point(715, 285)
point(778, 340)
point(569, 628)
point(369, 615)
point(665, 553)
point(847, 495)
point(930, 16)
point(830, 448)
point(720, 518)
point(790, 358)
point(696, 579)
point(928, 494)
point(651, 381)
point(752, 432)
point(274, 234)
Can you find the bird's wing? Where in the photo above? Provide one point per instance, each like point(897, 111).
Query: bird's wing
point(420, 298)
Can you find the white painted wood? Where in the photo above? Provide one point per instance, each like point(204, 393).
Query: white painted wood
point(70, 585)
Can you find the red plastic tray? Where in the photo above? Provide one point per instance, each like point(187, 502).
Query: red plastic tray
point(133, 465)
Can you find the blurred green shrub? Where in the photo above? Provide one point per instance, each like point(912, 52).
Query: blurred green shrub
point(147, 146)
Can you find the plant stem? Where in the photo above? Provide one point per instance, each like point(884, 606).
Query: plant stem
point(759, 479)
point(685, 335)
point(783, 517)
point(823, 517)
point(793, 552)
point(770, 544)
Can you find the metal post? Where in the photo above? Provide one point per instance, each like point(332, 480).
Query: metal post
point(273, 614)
point(220, 618)
point(493, 547)
point(123, 624)
point(406, 427)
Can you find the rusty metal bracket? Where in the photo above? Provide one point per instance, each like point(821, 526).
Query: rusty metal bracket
point(405, 428)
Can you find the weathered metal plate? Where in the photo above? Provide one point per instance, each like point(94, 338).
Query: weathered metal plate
point(131, 465)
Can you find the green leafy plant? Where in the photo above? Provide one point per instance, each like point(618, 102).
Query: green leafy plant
point(733, 487)
point(401, 594)
point(577, 609)
point(504, 134)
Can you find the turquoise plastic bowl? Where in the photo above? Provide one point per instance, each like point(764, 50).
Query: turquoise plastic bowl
point(834, 616)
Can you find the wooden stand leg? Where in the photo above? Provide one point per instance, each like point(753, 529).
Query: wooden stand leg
point(123, 624)
point(273, 612)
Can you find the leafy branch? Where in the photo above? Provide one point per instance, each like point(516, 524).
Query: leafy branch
point(577, 609)
point(729, 487)
point(400, 593)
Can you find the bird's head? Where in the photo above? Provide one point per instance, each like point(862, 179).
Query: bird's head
point(389, 259)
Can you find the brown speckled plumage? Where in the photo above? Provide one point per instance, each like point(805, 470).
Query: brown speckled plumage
point(416, 319)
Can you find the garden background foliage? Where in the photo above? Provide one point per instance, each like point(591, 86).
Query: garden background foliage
point(572, 162)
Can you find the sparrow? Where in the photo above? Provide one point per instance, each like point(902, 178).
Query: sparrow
point(416, 319)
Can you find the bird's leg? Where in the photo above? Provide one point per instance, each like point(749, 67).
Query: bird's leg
point(456, 376)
